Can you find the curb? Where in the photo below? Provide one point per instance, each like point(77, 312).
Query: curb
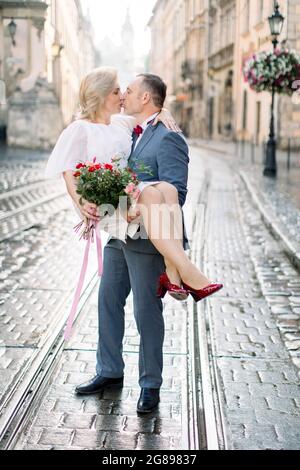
point(288, 246)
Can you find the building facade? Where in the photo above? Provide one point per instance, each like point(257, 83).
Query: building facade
point(202, 65)
point(67, 32)
point(220, 69)
point(41, 67)
point(252, 110)
point(195, 63)
point(121, 56)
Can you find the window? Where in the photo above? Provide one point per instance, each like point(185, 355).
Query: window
point(53, 12)
point(258, 120)
point(211, 105)
point(260, 11)
point(193, 12)
point(246, 14)
point(2, 93)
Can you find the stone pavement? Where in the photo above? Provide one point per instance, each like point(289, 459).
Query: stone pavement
point(109, 421)
point(36, 280)
point(278, 204)
point(253, 322)
point(284, 188)
point(260, 384)
point(20, 167)
point(37, 265)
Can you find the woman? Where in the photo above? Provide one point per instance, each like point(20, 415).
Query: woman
point(101, 132)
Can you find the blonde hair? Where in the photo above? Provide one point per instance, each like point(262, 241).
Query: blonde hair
point(94, 89)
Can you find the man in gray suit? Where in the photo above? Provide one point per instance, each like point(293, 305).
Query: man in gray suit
point(137, 265)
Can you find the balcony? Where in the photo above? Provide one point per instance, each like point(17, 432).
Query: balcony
point(222, 57)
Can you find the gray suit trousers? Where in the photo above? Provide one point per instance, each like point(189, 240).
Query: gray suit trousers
point(125, 269)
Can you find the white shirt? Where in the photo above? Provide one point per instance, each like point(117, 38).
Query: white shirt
point(144, 127)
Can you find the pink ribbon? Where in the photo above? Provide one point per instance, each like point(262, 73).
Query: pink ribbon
point(89, 236)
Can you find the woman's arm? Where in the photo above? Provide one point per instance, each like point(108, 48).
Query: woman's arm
point(69, 150)
point(87, 209)
point(164, 116)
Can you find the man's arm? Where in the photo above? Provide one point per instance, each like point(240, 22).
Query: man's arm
point(173, 160)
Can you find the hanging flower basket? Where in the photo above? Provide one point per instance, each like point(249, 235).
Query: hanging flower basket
point(279, 69)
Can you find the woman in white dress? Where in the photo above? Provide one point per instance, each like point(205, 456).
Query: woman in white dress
point(100, 131)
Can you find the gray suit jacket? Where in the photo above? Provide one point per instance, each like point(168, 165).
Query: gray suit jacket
point(167, 154)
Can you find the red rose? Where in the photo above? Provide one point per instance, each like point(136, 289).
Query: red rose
point(98, 166)
point(92, 169)
point(80, 165)
point(77, 174)
point(107, 166)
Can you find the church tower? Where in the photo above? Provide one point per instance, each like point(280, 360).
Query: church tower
point(127, 46)
point(127, 32)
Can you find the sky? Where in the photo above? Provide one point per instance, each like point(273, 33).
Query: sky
point(108, 17)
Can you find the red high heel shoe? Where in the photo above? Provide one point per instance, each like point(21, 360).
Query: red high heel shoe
point(175, 291)
point(202, 293)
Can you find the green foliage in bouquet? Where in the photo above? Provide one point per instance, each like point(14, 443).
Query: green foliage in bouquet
point(106, 183)
point(276, 70)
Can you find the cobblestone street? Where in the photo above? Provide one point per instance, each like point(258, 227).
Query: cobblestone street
point(253, 324)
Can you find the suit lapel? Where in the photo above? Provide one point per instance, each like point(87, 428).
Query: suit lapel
point(134, 139)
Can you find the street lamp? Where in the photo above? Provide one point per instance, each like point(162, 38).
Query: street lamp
point(276, 24)
point(12, 28)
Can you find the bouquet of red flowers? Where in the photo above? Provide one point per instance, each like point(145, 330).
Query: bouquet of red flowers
point(113, 188)
point(105, 183)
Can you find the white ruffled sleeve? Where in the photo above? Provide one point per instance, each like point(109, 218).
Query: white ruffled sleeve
point(70, 149)
point(127, 123)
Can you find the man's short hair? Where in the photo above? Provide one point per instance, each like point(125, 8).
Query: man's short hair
point(155, 85)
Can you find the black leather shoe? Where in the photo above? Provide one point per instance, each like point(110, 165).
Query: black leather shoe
point(148, 401)
point(99, 383)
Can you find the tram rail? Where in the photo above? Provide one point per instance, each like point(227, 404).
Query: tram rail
point(20, 217)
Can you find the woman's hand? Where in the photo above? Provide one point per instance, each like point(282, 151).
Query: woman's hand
point(89, 211)
point(167, 119)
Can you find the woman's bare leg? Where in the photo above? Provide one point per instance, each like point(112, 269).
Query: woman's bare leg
point(159, 226)
point(170, 196)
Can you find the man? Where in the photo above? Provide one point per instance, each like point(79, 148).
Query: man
point(137, 265)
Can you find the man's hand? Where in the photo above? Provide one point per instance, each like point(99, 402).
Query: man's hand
point(133, 214)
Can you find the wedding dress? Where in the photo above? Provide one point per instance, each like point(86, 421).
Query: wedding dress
point(82, 141)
